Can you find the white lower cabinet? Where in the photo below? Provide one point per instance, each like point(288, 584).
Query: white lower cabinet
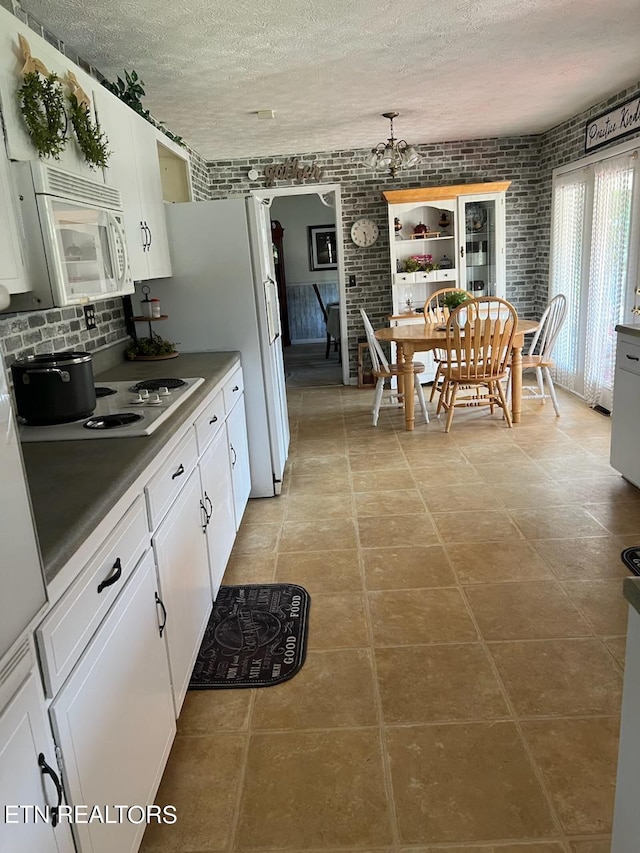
point(180, 547)
point(217, 491)
point(29, 774)
point(113, 719)
point(626, 409)
point(239, 458)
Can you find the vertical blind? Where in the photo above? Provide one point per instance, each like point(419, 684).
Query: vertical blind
point(591, 245)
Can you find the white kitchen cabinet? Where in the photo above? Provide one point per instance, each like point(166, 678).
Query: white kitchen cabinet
point(180, 547)
point(26, 751)
point(625, 816)
point(626, 408)
point(113, 720)
point(12, 271)
point(464, 240)
point(134, 169)
point(18, 141)
point(239, 458)
point(217, 492)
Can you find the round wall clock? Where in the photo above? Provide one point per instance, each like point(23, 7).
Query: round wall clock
point(364, 233)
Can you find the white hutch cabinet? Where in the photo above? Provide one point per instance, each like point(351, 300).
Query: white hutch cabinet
point(458, 230)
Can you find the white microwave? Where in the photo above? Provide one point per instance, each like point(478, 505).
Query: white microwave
point(74, 243)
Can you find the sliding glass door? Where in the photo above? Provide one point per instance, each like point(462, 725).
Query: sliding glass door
point(594, 263)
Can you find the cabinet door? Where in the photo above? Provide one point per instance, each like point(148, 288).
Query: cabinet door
point(217, 490)
point(12, 272)
point(24, 735)
point(481, 249)
point(625, 419)
point(239, 458)
point(180, 546)
point(114, 720)
point(121, 173)
point(151, 202)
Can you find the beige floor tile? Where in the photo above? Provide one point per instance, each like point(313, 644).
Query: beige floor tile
point(614, 489)
point(333, 689)
point(310, 507)
point(456, 498)
point(393, 460)
point(602, 604)
point(320, 466)
point(427, 455)
point(382, 481)
point(480, 765)
point(582, 559)
point(323, 535)
point(531, 496)
point(250, 568)
point(207, 712)
point(265, 510)
point(535, 610)
point(504, 472)
point(321, 571)
point(396, 530)
point(617, 517)
point(440, 474)
point(325, 484)
point(486, 562)
point(415, 617)
point(536, 847)
point(575, 468)
point(388, 503)
point(257, 538)
point(338, 621)
point(557, 522)
point(558, 677)
point(618, 647)
point(309, 790)
point(411, 567)
point(328, 446)
point(201, 781)
point(431, 684)
point(596, 846)
point(489, 526)
point(578, 761)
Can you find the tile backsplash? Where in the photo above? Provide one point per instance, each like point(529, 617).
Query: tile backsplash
point(35, 332)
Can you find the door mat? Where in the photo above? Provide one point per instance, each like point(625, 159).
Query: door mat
point(256, 637)
point(631, 558)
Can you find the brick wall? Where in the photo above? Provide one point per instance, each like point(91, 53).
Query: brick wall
point(511, 158)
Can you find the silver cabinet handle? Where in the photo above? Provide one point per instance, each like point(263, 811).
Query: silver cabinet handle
point(63, 374)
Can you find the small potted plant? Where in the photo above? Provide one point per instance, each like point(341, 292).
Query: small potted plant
point(454, 298)
point(411, 265)
point(153, 348)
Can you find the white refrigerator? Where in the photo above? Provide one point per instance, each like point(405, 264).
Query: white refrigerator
point(22, 586)
point(223, 297)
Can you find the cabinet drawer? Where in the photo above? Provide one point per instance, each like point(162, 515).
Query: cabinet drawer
point(628, 356)
point(210, 422)
point(444, 275)
point(404, 277)
point(163, 488)
point(66, 631)
point(232, 390)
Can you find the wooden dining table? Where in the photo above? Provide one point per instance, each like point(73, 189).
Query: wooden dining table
point(421, 337)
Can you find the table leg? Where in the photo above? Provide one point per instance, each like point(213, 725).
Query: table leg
point(409, 397)
point(400, 376)
point(516, 384)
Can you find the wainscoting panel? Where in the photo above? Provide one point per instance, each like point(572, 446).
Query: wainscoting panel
point(306, 323)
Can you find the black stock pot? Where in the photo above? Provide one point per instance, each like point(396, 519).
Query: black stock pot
point(54, 388)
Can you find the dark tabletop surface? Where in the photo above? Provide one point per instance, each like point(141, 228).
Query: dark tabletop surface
point(74, 484)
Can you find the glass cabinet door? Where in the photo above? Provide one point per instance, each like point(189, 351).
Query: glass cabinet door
point(481, 253)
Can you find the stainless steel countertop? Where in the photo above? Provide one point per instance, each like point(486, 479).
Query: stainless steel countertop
point(74, 484)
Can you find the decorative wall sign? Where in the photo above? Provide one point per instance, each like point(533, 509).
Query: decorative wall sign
point(291, 170)
point(323, 254)
point(612, 125)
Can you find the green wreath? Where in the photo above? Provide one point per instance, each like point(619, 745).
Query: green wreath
point(42, 107)
point(92, 141)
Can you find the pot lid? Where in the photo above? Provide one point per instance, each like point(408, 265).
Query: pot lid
point(55, 359)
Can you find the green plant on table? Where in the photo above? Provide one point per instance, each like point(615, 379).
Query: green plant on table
point(154, 345)
point(455, 298)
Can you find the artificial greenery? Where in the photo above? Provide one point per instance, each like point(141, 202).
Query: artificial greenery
point(155, 345)
point(131, 90)
point(419, 264)
point(42, 106)
point(92, 141)
point(411, 265)
point(455, 298)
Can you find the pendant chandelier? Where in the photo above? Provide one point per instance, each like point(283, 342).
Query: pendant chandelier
point(393, 154)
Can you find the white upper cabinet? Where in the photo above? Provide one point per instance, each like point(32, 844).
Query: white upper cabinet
point(19, 145)
point(134, 169)
point(12, 271)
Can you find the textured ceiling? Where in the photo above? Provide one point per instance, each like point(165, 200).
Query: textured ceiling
point(454, 69)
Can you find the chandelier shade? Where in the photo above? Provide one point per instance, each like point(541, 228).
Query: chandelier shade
point(394, 154)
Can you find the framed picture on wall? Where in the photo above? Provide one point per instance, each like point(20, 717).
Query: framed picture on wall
point(322, 247)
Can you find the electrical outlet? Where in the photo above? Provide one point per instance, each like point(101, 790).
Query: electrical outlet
point(352, 280)
point(90, 316)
